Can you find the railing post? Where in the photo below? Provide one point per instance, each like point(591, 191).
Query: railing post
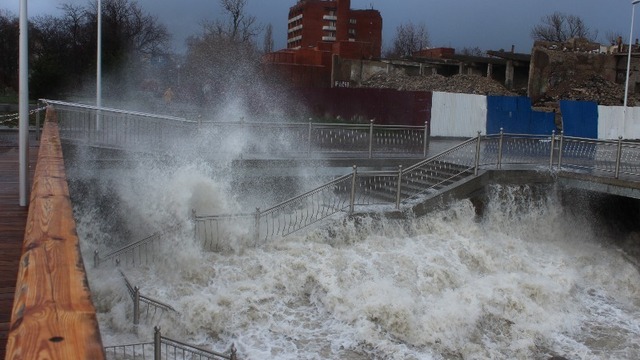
point(426, 139)
point(618, 156)
point(477, 162)
point(309, 138)
point(352, 197)
point(371, 138)
point(38, 104)
point(157, 343)
point(500, 148)
point(96, 259)
point(256, 225)
point(560, 149)
point(398, 190)
point(553, 144)
point(195, 223)
point(233, 355)
point(136, 305)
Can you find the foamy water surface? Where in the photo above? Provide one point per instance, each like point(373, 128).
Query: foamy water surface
point(527, 280)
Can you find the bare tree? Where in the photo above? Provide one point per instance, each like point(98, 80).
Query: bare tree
point(409, 39)
point(224, 59)
point(9, 34)
point(239, 26)
point(268, 39)
point(560, 27)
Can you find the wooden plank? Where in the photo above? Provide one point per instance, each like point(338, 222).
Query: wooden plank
point(13, 218)
point(53, 316)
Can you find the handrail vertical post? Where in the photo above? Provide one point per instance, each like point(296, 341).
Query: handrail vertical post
point(352, 198)
point(399, 187)
point(553, 144)
point(96, 259)
point(477, 162)
point(38, 105)
point(618, 156)
point(233, 350)
point(157, 343)
point(309, 138)
point(371, 138)
point(499, 166)
point(425, 145)
point(136, 305)
point(256, 227)
point(195, 223)
point(560, 150)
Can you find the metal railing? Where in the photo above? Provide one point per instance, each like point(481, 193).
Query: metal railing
point(164, 348)
point(153, 309)
point(428, 177)
point(141, 252)
point(608, 158)
point(279, 220)
point(425, 178)
point(113, 128)
point(137, 253)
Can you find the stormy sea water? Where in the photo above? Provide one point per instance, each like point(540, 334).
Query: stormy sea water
point(535, 274)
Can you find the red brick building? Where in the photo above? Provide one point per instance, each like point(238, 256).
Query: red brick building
point(319, 30)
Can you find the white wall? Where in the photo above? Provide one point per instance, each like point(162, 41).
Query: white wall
point(458, 115)
point(612, 122)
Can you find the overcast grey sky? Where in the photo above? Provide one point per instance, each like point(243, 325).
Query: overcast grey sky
point(487, 24)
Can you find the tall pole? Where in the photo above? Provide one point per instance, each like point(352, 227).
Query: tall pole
point(626, 85)
point(625, 110)
point(23, 100)
point(99, 66)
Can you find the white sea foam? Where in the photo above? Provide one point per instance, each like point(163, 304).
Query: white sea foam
point(528, 279)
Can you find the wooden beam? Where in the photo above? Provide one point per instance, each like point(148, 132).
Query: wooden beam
point(53, 316)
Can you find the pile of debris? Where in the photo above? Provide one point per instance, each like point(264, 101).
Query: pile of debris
point(587, 88)
point(467, 84)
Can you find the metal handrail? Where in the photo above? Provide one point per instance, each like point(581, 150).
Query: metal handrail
point(137, 351)
point(489, 151)
point(138, 298)
point(164, 348)
point(114, 129)
point(117, 111)
point(130, 249)
point(127, 249)
point(193, 350)
point(443, 153)
point(275, 220)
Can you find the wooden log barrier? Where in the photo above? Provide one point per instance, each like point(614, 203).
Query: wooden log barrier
point(53, 316)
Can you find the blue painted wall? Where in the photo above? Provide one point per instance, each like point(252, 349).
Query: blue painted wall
point(514, 115)
point(579, 118)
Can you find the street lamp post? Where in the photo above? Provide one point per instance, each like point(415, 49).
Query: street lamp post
point(99, 66)
point(626, 86)
point(23, 104)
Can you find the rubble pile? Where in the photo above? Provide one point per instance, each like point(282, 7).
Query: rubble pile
point(467, 84)
point(587, 88)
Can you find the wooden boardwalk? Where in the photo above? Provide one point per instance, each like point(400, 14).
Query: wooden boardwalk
point(13, 218)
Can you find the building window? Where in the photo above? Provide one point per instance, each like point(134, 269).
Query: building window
point(352, 21)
